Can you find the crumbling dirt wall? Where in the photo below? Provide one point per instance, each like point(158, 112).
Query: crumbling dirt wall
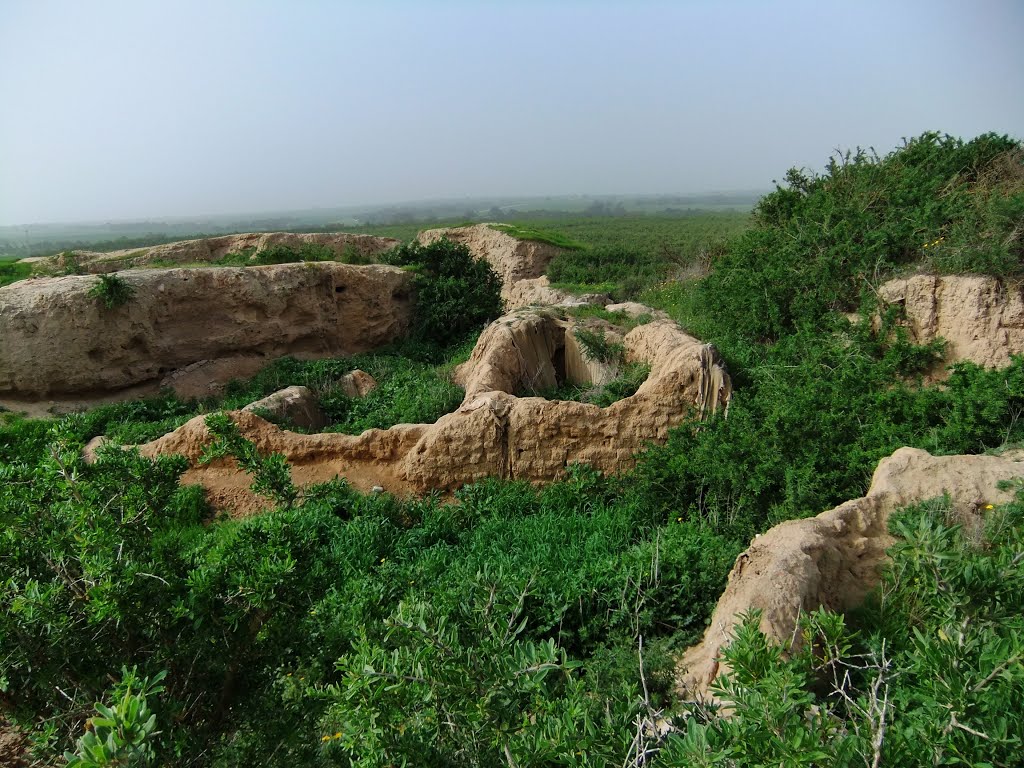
point(834, 559)
point(56, 339)
point(493, 433)
point(514, 260)
point(214, 248)
point(981, 318)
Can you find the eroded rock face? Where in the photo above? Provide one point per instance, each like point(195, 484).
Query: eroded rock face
point(834, 559)
point(56, 339)
point(214, 248)
point(514, 260)
point(981, 318)
point(494, 433)
point(538, 292)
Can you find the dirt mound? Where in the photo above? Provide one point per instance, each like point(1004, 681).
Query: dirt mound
point(363, 247)
point(514, 260)
point(494, 433)
point(538, 292)
point(981, 318)
point(58, 340)
point(834, 559)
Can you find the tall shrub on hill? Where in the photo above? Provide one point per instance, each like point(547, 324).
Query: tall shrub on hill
point(455, 293)
point(820, 241)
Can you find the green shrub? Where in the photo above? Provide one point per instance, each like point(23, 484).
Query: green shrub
point(598, 347)
point(120, 734)
point(455, 293)
point(820, 241)
point(12, 272)
point(111, 291)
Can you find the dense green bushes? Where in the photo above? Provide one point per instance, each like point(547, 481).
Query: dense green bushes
point(455, 293)
point(505, 628)
point(250, 618)
point(820, 242)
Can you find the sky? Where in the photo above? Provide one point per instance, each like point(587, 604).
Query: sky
point(137, 109)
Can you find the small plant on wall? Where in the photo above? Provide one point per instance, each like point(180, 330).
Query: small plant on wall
point(111, 290)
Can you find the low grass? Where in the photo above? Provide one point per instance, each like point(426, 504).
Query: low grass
point(411, 390)
point(534, 235)
point(626, 384)
point(12, 272)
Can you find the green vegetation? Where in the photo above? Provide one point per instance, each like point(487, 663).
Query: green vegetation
point(626, 256)
point(111, 291)
point(276, 254)
point(524, 626)
point(12, 272)
point(532, 234)
point(629, 380)
point(455, 293)
point(597, 346)
point(414, 386)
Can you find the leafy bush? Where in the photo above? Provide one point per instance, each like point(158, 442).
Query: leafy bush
point(455, 293)
point(121, 734)
point(111, 291)
point(819, 241)
point(626, 384)
point(597, 346)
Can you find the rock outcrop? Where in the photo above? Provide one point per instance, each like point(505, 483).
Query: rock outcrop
point(538, 292)
point(494, 433)
point(834, 560)
point(981, 318)
point(362, 247)
point(297, 406)
point(56, 339)
point(357, 383)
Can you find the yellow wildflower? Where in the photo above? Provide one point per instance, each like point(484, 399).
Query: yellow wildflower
point(325, 738)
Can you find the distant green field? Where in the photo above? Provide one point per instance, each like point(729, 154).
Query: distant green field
point(11, 272)
point(619, 255)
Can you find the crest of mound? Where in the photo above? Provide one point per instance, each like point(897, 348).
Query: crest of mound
point(834, 560)
point(192, 329)
point(981, 318)
point(495, 432)
point(213, 248)
point(513, 259)
point(538, 292)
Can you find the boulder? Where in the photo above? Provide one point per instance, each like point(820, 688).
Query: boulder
point(298, 406)
point(357, 383)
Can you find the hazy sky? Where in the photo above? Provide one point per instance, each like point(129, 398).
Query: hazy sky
point(133, 109)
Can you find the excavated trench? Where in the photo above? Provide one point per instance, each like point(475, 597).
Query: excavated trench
point(494, 432)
